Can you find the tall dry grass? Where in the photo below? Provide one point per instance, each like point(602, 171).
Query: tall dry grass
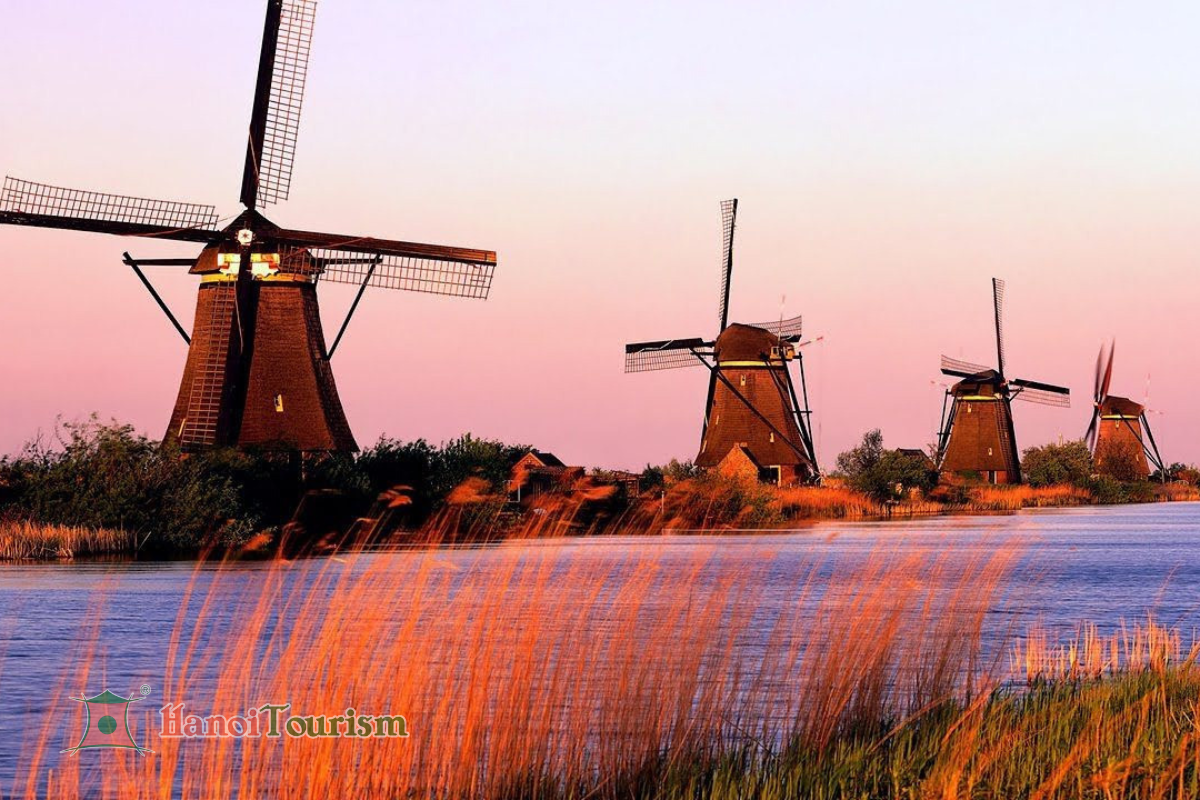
point(1016, 497)
point(551, 676)
point(22, 540)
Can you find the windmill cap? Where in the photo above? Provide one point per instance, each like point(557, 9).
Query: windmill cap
point(741, 342)
point(1121, 405)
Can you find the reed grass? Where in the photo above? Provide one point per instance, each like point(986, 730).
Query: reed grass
point(557, 674)
point(22, 540)
point(1016, 497)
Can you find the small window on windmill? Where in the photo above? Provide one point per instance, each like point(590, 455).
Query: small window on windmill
point(775, 353)
point(968, 408)
point(989, 451)
point(743, 379)
point(717, 420)
point(278, 404)
point(772, 437)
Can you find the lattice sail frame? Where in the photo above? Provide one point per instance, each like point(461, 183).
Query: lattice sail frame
point(791, 328)
point(27, 197)
point(998, 302)
point(404, 273)
point(286, 99)
point(1042, 397)
point(965, 367)
point(728, 223)
point(673, 354)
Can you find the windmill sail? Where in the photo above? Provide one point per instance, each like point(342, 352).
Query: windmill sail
point(278, 98)
point(790, 330)
point(42, 205)
point(728, 223)
point(666, 354)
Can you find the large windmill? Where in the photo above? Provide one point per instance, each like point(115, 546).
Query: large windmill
point(977, 435)
point(1119, 434)
point(753, 416)
point(258, 371)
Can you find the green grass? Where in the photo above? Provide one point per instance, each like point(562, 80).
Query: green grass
point(1132, 735)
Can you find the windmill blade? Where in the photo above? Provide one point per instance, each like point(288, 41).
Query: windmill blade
point(1043, 398)
point(41, 205)
point(728, 223)
point(1108, 372)
point(961, 369)
point(1090, 436)
point(278, 97)
point(368, 246)
point(786, 329)
point(998, 302)
point(1046, 394)
point(1097, 398)
point(412, 273)
point(666, 354)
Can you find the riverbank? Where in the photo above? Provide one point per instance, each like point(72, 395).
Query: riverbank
point(558, 671)
point(714, 503)
point(473, 514)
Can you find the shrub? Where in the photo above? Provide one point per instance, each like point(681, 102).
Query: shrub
point(1070, 462)
point(883, 474)
point(1120, 459)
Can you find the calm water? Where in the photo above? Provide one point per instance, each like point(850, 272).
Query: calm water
point(1101, 565)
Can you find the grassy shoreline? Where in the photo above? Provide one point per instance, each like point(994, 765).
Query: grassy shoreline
point(873, 681)
point(719, 506)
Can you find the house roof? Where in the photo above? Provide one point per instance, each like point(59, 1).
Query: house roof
point(541, 458)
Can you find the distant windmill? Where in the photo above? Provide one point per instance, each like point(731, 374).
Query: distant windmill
point(1119, 425)
point(752, 413)
point(257, 369)
point(977, 434)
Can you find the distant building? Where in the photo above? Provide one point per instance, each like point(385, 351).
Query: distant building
point(917, 455)
point(538, 472)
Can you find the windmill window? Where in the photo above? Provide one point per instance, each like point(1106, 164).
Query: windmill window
point(717, 420)
point(989, 451)
point(743, 380)
point(772, 436)
point(278, 404)
point(968, 408)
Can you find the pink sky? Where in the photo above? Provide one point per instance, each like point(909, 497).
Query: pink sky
point(888, 163)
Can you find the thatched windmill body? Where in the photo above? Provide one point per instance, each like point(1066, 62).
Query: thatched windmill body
point(977, 436)
point(1119, 434)
point(753, 415)
point(258, 370)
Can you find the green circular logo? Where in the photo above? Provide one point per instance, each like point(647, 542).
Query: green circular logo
point(107, 724)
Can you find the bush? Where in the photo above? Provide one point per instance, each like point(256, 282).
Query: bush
point(1120, 459)
point(1051, 464)
point(881, 474)
point(106, 476)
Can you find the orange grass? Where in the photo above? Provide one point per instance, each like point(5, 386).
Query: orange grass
point(1091, 655)
point(24, 540)
point(549, 674)
point(1014, 498)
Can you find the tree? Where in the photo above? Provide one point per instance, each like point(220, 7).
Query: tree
point(1070, 462)
point(862, 459)
point(883, 474)
point(1121, 460)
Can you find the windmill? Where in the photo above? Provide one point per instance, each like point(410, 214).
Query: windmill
point(1119, 434)
point(258, 370)
point(976, 434)
point(753, 418)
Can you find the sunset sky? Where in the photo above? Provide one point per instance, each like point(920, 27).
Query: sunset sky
point(889, 158)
